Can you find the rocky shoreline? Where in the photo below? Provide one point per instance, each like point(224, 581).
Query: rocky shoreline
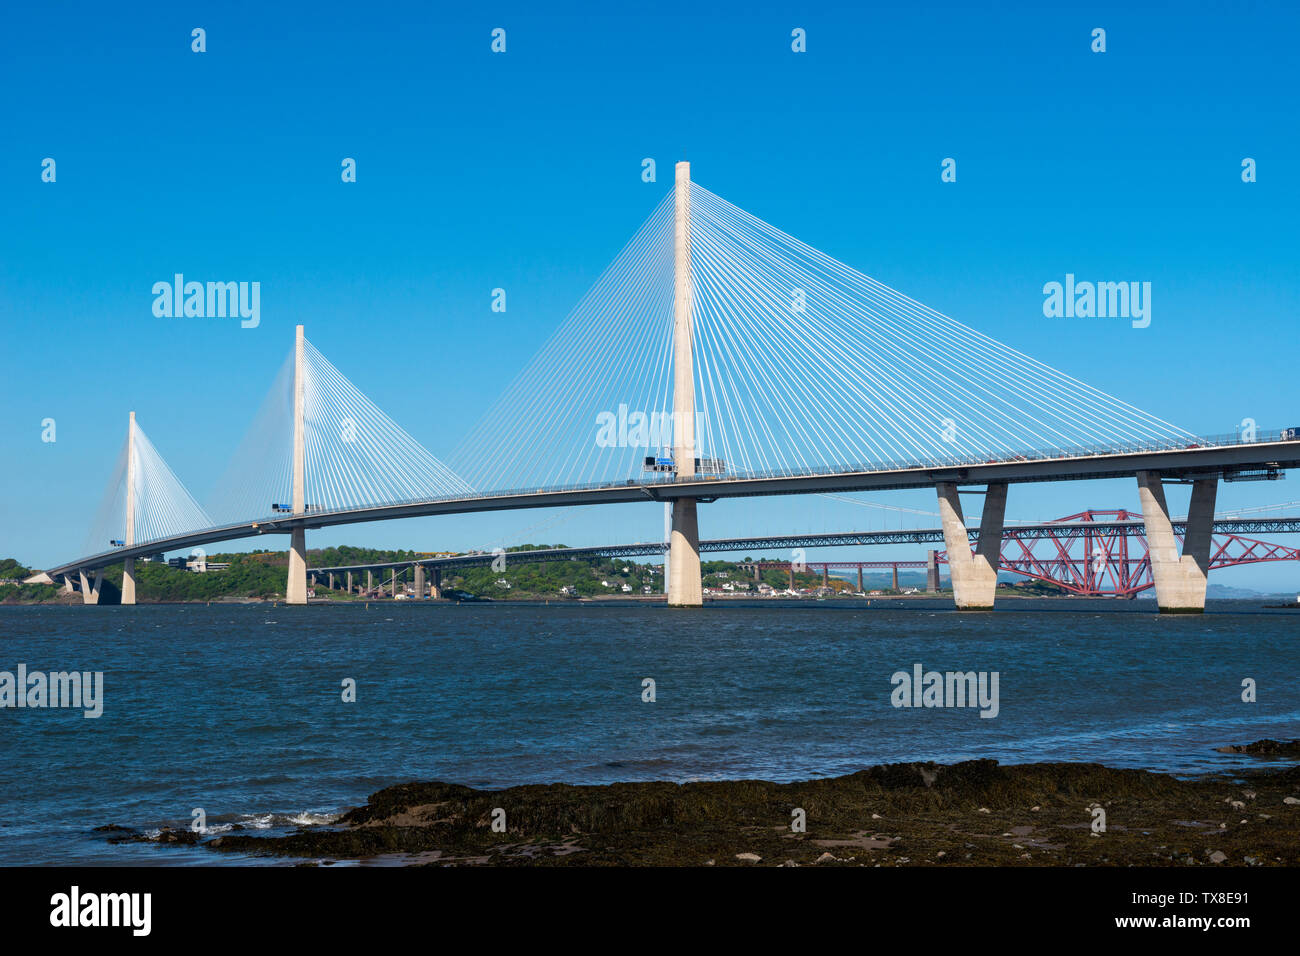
point(975, 813)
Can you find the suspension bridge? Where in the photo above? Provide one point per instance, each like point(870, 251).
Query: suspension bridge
point(695, 369)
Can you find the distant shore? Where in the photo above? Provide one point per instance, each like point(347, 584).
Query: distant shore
point(975, 813)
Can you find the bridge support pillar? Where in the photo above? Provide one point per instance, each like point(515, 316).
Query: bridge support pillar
point(90, 592)
point(895, 581)
point(932, 571)
point(331, 580)
point(435, 584)
point(419, 582)
point(67, 584)
point(296, 591)
point(974, 575)
point(1180, 580)
point(860, 587)
point(128, 581)
point(684, 584)
point(370, 581)
point(792, 577)
point(826, 575)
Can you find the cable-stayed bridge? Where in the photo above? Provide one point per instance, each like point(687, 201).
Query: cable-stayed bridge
point(696, 368)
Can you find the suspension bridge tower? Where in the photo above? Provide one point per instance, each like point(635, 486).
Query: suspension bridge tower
point(684, 586)
point(128, 539)
point(296, 590)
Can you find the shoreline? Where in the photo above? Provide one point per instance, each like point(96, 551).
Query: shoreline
point(972, 813)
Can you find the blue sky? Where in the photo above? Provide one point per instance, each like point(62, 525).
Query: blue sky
point(522, 171)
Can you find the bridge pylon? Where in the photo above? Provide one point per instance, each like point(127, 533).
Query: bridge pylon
point(974, 574)
point(296, 589)
point(685, 585)
point(1180, 580)
point(128, 565)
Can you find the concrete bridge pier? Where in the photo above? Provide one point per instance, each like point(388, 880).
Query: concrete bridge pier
point(826, 575)
point(974, 575)
point(435, 584)
point(370, 581)
point(860, 587)
point(685, 588)
point(296, 592)
point(349, 582)
point(128, 581)
point(419, 582)
point(932, 571)
point(895, 584)
point(89, 592)
point(331, 580)
point(1180, 580)
point(67, 584)
point(792, 577)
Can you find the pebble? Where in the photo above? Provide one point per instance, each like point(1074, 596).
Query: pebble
point(748, 857)
point(1218, 856)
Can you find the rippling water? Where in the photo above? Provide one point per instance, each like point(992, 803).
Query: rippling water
point(238, 710)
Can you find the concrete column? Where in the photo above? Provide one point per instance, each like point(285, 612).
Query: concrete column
point(349, 582)
point(792, 577)
point(419, 581)
point(67, 584)
point(758, 573)
point(89, 591)
point(685, 588)
point(826, 575)
point(895, 577)
point(370, 581)
point(297, 588)
point(435, 584)
point(974, 576)
point(296, 591)
point(128, 564)
point(860, 587)
point(1180, 580)
point(331, 580)
point(932, 571)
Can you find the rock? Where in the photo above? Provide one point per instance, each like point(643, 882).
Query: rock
point(827, 858)
point(1035, 809)
point(1291, 800)
point(748, 857)
point(1218, 856)
point(877, 816)
point(985, 810)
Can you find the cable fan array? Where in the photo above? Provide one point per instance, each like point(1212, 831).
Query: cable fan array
point(802, 364)
point(162, 506)
point(355, 455)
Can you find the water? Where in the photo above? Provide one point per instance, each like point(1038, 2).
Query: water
point(238, 710)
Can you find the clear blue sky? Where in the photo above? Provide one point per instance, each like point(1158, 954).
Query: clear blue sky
point(522, 171)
